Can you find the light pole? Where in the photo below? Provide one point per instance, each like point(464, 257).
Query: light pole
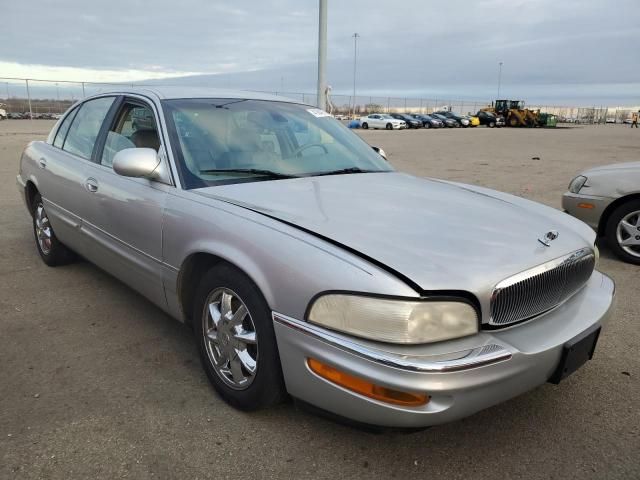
point(499, 78)
point(355, 57)
point(322, 55)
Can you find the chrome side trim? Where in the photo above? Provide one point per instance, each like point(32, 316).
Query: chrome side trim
point(464, 360)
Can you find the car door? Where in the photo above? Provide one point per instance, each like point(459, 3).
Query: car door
point(124, 215)
point(63, 169)
point(374, 121)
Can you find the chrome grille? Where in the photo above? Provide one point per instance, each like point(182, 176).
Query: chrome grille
point(535, 291)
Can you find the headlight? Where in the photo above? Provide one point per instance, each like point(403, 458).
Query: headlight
point(577, 183)
point(395, 321)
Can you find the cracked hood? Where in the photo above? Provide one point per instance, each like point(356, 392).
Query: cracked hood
point(441, 235)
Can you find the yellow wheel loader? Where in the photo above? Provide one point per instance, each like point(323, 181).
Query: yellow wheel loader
point(515, 114)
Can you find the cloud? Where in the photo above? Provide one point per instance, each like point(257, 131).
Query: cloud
point(411, 47)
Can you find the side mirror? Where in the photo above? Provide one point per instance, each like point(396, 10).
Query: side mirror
point(380, 152)
point(136, 162)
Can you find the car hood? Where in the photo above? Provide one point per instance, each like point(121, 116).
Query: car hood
point(616, 167)
point(440, 235)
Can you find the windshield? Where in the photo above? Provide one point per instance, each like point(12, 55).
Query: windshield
point(389, 117)
point(222, 141)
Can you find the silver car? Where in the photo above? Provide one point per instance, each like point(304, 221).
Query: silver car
point(306, 265)
point(608, 199)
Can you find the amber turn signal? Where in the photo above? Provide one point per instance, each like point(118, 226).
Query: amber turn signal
point(586, 205)
point(366, 388)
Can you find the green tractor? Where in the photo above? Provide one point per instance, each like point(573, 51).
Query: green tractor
point(547, 120)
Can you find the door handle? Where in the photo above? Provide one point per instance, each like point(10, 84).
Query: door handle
point(42, 162)
point(91, 185)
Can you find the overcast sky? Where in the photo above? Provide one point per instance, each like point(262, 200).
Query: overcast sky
point(562, 51)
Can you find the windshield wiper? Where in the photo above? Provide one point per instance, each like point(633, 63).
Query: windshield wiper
point(255, 171)
point(345, 171)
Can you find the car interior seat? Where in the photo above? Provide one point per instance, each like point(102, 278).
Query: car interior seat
point(147, 138)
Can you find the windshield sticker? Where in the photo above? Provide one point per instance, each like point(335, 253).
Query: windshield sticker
point(316, 112)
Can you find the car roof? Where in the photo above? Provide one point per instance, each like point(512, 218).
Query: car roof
point(178, 92)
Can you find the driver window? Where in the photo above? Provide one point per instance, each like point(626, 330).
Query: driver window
point(135, 127)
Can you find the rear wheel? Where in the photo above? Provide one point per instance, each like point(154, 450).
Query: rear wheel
point(51, 250)
point(365, 125)
point(389, 126)
point(623, 232)
point(237, 343)
point(513, 121)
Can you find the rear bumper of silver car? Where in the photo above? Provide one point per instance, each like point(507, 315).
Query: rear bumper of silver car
point(461, 376)
point(21, 186)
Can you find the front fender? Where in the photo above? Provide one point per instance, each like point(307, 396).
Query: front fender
point(288, 265)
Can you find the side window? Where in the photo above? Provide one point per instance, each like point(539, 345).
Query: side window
point(135, 127)
point(86, 126)
point(63, 129)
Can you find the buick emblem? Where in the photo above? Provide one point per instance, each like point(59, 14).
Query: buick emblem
point(548, 237)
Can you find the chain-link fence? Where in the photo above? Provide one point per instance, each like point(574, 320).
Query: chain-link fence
point(29, 98)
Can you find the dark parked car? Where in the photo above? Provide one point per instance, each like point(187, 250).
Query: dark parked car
point(448, 122)
point(408, 119)
point(462, 120)
point(428, 121)
point(490, 119)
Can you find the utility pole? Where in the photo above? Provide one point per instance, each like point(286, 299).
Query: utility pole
point(322, 55)
point(499, 79)
point(29, 98)
point(355, 58)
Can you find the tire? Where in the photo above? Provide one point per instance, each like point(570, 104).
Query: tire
point(365, 125)
point(615, 232)
point(389, 126)
point(427, 125)
point(513, 121)
point(233, 378)
point(492, 124)
point(53, 252)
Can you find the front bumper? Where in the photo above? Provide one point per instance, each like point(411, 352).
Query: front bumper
point(574, 204)
point(462, 376)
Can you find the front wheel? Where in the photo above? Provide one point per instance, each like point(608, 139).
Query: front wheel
point(51, 250)
point(492, 124)
point(365, 125)
point(623, 232)
point(389, 126)
point(237, 343)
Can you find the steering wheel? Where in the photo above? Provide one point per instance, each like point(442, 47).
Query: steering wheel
point(301, 149)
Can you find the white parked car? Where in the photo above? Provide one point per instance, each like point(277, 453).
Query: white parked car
point(382, 120)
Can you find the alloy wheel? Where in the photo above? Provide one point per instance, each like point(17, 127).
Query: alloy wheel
point(628, 233)
point(230, 337)
point(43, 229)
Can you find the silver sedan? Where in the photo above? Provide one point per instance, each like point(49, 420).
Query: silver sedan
point(608, 199)
point(306, 265)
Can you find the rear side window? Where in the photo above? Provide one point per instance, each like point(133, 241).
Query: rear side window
point(86, 126)
point(64, 128)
